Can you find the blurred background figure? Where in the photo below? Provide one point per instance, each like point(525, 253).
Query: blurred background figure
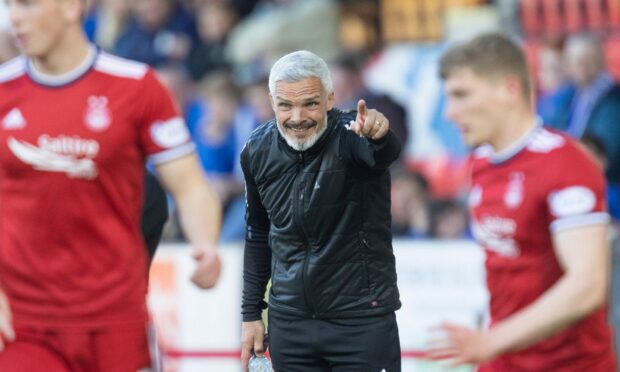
point(555, 91)
point(596, 107)
point(277, 27)
point(220, 125)
point(215, 20)
point(105, 21)
point(158, 32)
point(449, 220)
point(410, 204)
point(349, 86)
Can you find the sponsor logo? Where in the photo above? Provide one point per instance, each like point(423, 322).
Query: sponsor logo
point(572, 201)
point(71, 155)
point(497, 234)
point(514, 191)
point(14, 120)
point(97, 116)
point(170, 133)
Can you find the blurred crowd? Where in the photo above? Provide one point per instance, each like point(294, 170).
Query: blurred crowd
point(215, 57)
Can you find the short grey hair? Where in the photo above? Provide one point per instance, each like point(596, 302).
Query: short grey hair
point(589, 40)
point(298, 66)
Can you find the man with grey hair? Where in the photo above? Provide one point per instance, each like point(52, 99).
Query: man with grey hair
point(595, 108)
point(318, 225)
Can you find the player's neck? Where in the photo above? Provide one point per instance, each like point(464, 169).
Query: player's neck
point(65, 57)
point(514, 128)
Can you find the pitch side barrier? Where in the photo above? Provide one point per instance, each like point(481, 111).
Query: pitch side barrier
point(200, 330)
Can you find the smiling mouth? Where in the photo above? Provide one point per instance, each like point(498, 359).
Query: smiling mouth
point(300, 127)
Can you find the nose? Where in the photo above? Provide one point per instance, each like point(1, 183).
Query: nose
point(296, 115)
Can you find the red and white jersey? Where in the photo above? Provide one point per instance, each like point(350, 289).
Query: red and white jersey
point(72, 155)
point(519, 198)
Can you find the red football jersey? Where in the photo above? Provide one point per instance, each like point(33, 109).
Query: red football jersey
point(71, 187)
point(543, 184)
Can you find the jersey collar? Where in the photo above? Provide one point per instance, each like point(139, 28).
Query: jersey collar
point(517, 146)
point(66, 78)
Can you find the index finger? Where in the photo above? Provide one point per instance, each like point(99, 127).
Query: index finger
point(362, 109)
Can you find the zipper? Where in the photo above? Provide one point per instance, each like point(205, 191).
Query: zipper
point(365, 250)
point(298, 204)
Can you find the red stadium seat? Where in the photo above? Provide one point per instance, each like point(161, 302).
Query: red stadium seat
point(595, 18)
point(552, 16)
point(613, 13)
point(530, 16)
point(612, 55)
point(573, 15)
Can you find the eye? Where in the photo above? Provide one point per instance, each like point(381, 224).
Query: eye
point(312, 104)
point(284, 105)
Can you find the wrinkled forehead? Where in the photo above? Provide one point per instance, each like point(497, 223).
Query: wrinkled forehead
point(298, 90)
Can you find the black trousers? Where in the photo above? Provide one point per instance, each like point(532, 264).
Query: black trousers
point(369, 344)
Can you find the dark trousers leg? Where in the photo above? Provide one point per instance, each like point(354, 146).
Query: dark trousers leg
point(340, 345)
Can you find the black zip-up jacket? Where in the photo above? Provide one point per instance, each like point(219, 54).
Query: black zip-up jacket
point(318, 224)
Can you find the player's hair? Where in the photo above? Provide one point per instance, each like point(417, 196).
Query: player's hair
point(490, 54)
point(298, 66)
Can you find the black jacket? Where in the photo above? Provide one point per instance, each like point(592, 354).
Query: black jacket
point(322, 217)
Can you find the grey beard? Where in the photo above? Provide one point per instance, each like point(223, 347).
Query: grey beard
point(302, 146)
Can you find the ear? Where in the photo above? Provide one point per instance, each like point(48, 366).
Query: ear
point(513, 88)
point(72, 10)
point(330, 101)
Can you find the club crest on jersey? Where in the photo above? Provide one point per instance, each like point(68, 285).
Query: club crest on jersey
point(97, 116)
point(514, 191)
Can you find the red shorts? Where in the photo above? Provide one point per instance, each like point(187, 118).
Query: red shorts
point(110, 350)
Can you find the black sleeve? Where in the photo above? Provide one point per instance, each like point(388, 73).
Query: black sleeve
point(257, 254)
point(154, 213)
point(368, 153)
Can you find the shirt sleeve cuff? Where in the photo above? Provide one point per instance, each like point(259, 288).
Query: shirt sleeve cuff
point(567, 223)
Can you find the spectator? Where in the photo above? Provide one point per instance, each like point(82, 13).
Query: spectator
point(219, 127)
point(215, 21)
point(159, 32)
point(555, 91)
point(410, 204)
point(596, 107)
point(105, 21)
point(256, 96)
point(448, 220)
point(349, 86)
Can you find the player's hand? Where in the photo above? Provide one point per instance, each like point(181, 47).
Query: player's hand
point(461, 345)
point(209, 266)
point(369, 123)
point(7, 334)
point(252, 339)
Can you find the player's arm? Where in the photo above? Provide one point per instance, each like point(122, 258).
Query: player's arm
point(200, 214)
point(7, 333)
point(371, 142)
point(583, 254)
point(256, 268)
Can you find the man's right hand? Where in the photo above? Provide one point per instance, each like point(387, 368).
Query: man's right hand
point(252, 338)
point(7, 334)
